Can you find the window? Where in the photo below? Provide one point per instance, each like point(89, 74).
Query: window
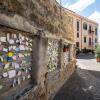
point(85, 26)
point(84, 39)
point(90, 29)
point(77, 25)
point(95, 30)
point(77, 34)
point(90, 41)
point(95, 40)
point(77, 44)
point(70, 19)
point(55, 8)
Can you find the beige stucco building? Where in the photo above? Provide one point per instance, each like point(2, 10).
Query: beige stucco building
point(85, 31)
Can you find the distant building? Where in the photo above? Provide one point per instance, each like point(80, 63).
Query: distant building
point(85, 31)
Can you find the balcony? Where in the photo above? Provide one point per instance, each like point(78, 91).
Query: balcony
point(91, 31)
point(91, 43)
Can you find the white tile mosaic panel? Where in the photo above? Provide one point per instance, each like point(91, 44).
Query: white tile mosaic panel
point(52, 54)
point(65, 55)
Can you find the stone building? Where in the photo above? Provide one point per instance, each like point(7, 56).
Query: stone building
point(36, 49)
point(85, 31)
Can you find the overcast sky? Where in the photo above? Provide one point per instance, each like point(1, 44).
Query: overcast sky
point(87, 8)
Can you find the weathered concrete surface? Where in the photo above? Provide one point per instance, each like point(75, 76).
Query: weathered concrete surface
point(36, 14)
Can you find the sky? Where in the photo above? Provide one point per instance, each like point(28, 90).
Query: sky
point(86, 8)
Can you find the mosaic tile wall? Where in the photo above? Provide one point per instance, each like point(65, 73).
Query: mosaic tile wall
point(65, 55)
point(15, 60)
point(52, 54)
point(72, 52)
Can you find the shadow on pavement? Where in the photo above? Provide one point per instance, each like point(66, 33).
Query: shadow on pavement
point(95, 73)
point(74, 89)
point(87, 57)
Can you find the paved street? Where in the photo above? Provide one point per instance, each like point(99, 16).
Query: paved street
point(84, 84)
point(88, 62)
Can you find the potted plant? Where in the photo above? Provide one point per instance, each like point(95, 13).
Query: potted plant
point(98, 54)
point(65, 48)
point(98, 57)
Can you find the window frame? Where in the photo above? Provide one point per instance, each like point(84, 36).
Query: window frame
point(96, 30)
point(90, 41)
point(84, 39)
point(78, 24)
point(96, 40)
point(77, 34)
point(85, 26)
point(77, 44)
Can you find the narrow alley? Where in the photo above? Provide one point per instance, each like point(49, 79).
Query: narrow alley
point(84, 84)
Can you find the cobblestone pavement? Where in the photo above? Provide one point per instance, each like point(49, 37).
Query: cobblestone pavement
point(83, 84)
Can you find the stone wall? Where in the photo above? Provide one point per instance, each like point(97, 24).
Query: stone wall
point(43, 20)
point(45, 82)
point(55, 80)
point(50, 81)
point(36, 14)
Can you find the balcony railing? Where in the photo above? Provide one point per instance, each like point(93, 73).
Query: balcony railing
point(91, 31)
point(91, 43)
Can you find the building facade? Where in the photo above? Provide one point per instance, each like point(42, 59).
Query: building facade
point(85, 31)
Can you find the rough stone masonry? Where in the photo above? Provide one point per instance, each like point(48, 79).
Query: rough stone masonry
point(44, 22)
